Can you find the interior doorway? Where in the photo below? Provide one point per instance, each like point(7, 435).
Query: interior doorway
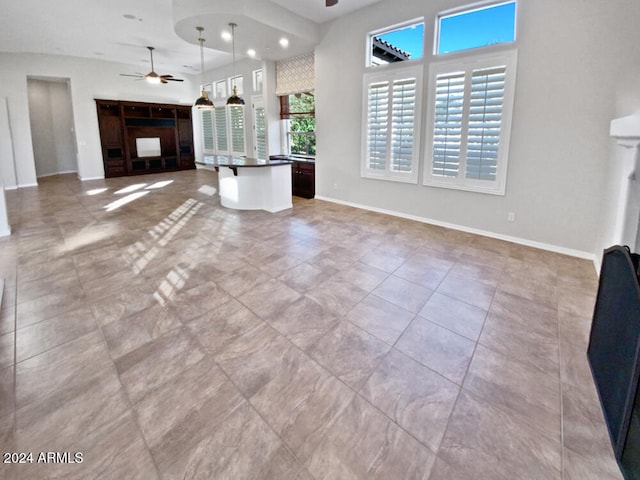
point(52, 126)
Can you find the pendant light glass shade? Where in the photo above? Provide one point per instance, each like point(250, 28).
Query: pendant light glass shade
point(203, 101)
point(234, 99)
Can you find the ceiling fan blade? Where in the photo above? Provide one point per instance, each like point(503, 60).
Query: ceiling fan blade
point(331, 3)
point(129, 75)
point(172, 79)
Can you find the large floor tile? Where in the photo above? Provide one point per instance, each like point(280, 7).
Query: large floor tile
point(301, 403)
point(507, 384)
point(381, 318)
point(241, 447)
point(363, 443)
point(458, 316)
point(304, 321)
point(436, 347)
point(413, 396)
point(349, 353)
point(484, 443)
point(405, 294)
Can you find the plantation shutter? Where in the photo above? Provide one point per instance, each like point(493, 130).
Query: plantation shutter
point(447, 129)
point(471, 101)
point(222, 143)
point(260, 132)
point(485, 119)
point(378, 125)
point(207, 131)
point(403, 127)
point(236, 122)
point(391, 124)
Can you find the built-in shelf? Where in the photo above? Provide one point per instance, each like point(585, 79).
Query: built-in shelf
point(123, 122)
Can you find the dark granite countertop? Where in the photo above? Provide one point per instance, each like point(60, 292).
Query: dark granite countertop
point(293, 158)
point(237, 162)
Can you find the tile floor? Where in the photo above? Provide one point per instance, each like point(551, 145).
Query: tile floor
point(163, 336)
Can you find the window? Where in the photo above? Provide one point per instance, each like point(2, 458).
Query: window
point(392, 106)
point(470, 106)
point(220, 129)
point(238, 82)
point(396, 44)
point(223, 131)
point(221, 89)
point(259, 129)
point(207, 131)
point(478, 27)
point(236, 129)
point(257, 81)
point(297, 110)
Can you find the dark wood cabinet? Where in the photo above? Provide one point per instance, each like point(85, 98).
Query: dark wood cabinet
point(303, 179)
point(139, 137)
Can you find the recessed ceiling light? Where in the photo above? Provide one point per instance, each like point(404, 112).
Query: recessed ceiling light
point(226, 36)
point(284, 42)
point(251, 52)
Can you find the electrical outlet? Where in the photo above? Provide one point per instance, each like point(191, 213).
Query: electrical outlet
point(511, 216)
point(335, 186)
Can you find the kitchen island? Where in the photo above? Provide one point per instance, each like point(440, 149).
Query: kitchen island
point(251, 184)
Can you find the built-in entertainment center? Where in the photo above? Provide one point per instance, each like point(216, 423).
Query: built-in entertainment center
point(138, 137)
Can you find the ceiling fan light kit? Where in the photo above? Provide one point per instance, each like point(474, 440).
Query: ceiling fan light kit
point(152, 76)
point(202, 102)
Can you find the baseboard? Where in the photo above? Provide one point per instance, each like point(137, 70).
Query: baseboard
point(85, 179)
point(498, 236)
point(65, 172)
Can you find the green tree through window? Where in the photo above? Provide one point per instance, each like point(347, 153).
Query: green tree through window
point(299, 110)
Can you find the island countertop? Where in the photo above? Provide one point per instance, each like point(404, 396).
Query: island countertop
point(242, 162)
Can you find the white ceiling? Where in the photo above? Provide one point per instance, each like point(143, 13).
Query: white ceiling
point(120, 30)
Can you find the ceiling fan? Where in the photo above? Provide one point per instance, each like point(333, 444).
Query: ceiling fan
point(331, 3)
point(152, 76)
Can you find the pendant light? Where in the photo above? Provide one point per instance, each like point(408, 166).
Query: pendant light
point(203, 101)
point(234, 99)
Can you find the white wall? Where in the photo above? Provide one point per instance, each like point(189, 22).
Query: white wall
point(574, 57)
point(89, 79)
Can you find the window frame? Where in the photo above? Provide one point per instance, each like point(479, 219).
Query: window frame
point(286, 115)
point(391, 75)
point(468, 64)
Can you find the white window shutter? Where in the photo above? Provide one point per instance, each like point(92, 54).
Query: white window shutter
point(207, 131)
point(378, 126)
point(485, 121)
point(391, 124)
point(236, 123)
point(447, 129)
point(403, 127)
point(260, 130)
point(222, 142)
point(470, 105)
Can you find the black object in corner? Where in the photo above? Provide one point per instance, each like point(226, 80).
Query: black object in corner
point(614, 354)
